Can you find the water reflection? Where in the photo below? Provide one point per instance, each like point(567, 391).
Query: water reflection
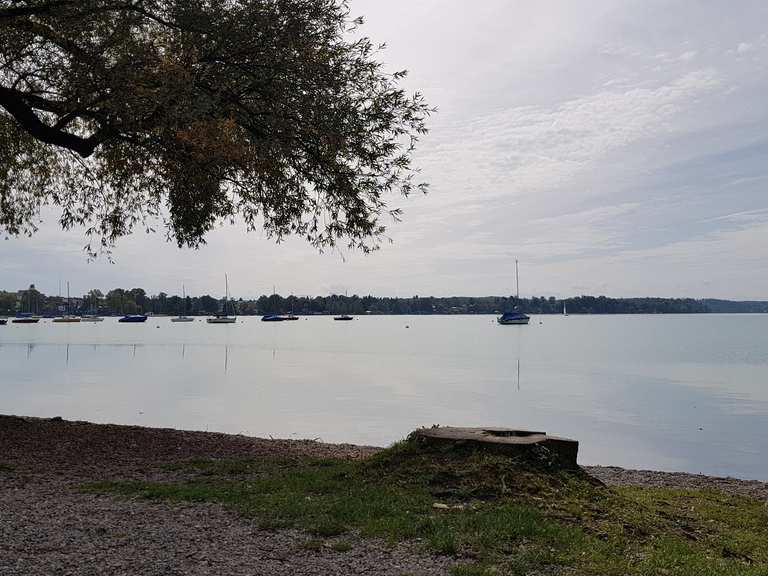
point(656, 392)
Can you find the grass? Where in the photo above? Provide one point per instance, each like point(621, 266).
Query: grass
point(499, 515)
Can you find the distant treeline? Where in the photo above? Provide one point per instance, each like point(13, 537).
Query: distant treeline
point(135, 300)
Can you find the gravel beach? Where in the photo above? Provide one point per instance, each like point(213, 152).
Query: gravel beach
point(48, 526)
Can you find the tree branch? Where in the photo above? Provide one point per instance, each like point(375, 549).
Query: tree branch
point(14, 103)
point(22, 11)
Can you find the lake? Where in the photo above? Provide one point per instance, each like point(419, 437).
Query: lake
point(667, 392)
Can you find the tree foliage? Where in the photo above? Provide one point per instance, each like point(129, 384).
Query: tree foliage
point(123, 112)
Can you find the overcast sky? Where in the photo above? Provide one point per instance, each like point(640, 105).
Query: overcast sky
point(613, 147)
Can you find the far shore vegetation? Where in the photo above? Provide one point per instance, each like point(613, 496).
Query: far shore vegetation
point(492, 513)
point(137, 300)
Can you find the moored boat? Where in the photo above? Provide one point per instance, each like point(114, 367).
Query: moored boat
point(223, 318)
point(183, 317)
point(515, 317)
point(67, 319)
point(273, 318)
point(91, 318)
point(219, 320)
point(133, 318)
point(344, 317)
point(25, 318)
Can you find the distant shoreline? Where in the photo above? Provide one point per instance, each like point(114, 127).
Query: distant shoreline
point(120, 301)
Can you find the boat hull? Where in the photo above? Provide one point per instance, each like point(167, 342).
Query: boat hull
point(133, 319)
point(66, 320)
point(222, 320)
point(343, 318)
point(273, 318)
point(25, 320)
point(183, 319)
point(518, 322)
point(91, 319)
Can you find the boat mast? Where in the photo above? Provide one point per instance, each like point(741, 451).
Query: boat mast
point(67, 297)
point(226, 292)
point(517, 281)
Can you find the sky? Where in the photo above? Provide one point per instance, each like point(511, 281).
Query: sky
point(612, 147)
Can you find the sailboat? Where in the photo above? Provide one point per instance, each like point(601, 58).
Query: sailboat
point(223, 318)
point(133, 318)
point(67, 318)
point(183, 317)
point(344, 317)
point(514, 317)
point(130, 318)
point(565, 312)
point(93, 316)
point(278, 317)
point(27, 317)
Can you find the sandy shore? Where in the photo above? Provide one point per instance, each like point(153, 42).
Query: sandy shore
point(48, 526)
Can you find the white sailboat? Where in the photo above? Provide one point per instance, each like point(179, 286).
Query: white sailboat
point(92, 317)
point(183, 317)
point(223, 318)
point(67, 318)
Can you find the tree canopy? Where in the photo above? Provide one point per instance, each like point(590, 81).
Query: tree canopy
point(127, 112)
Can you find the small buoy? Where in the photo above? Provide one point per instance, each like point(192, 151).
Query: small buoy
point(407, 326)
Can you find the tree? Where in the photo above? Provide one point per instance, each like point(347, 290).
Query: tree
point(8, 302)
point(123, 112)
point(208, 304)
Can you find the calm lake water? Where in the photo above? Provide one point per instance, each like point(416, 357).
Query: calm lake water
point(668, 392)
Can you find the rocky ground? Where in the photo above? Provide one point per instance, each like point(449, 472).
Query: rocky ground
point(49, 526)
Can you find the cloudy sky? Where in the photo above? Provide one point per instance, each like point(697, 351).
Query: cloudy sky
point(613, 147)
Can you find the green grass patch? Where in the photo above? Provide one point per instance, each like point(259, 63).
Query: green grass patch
point(508, 516)
point(341, 546)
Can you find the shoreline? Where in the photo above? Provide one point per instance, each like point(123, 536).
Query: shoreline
point(103, 449)
point(92, 499)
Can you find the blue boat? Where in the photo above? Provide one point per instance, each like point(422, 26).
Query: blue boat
point(25, 318)
point(133, 318)
point(513, 318)
point(273, 318)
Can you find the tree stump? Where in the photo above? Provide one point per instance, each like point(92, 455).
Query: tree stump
point(503, 440)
